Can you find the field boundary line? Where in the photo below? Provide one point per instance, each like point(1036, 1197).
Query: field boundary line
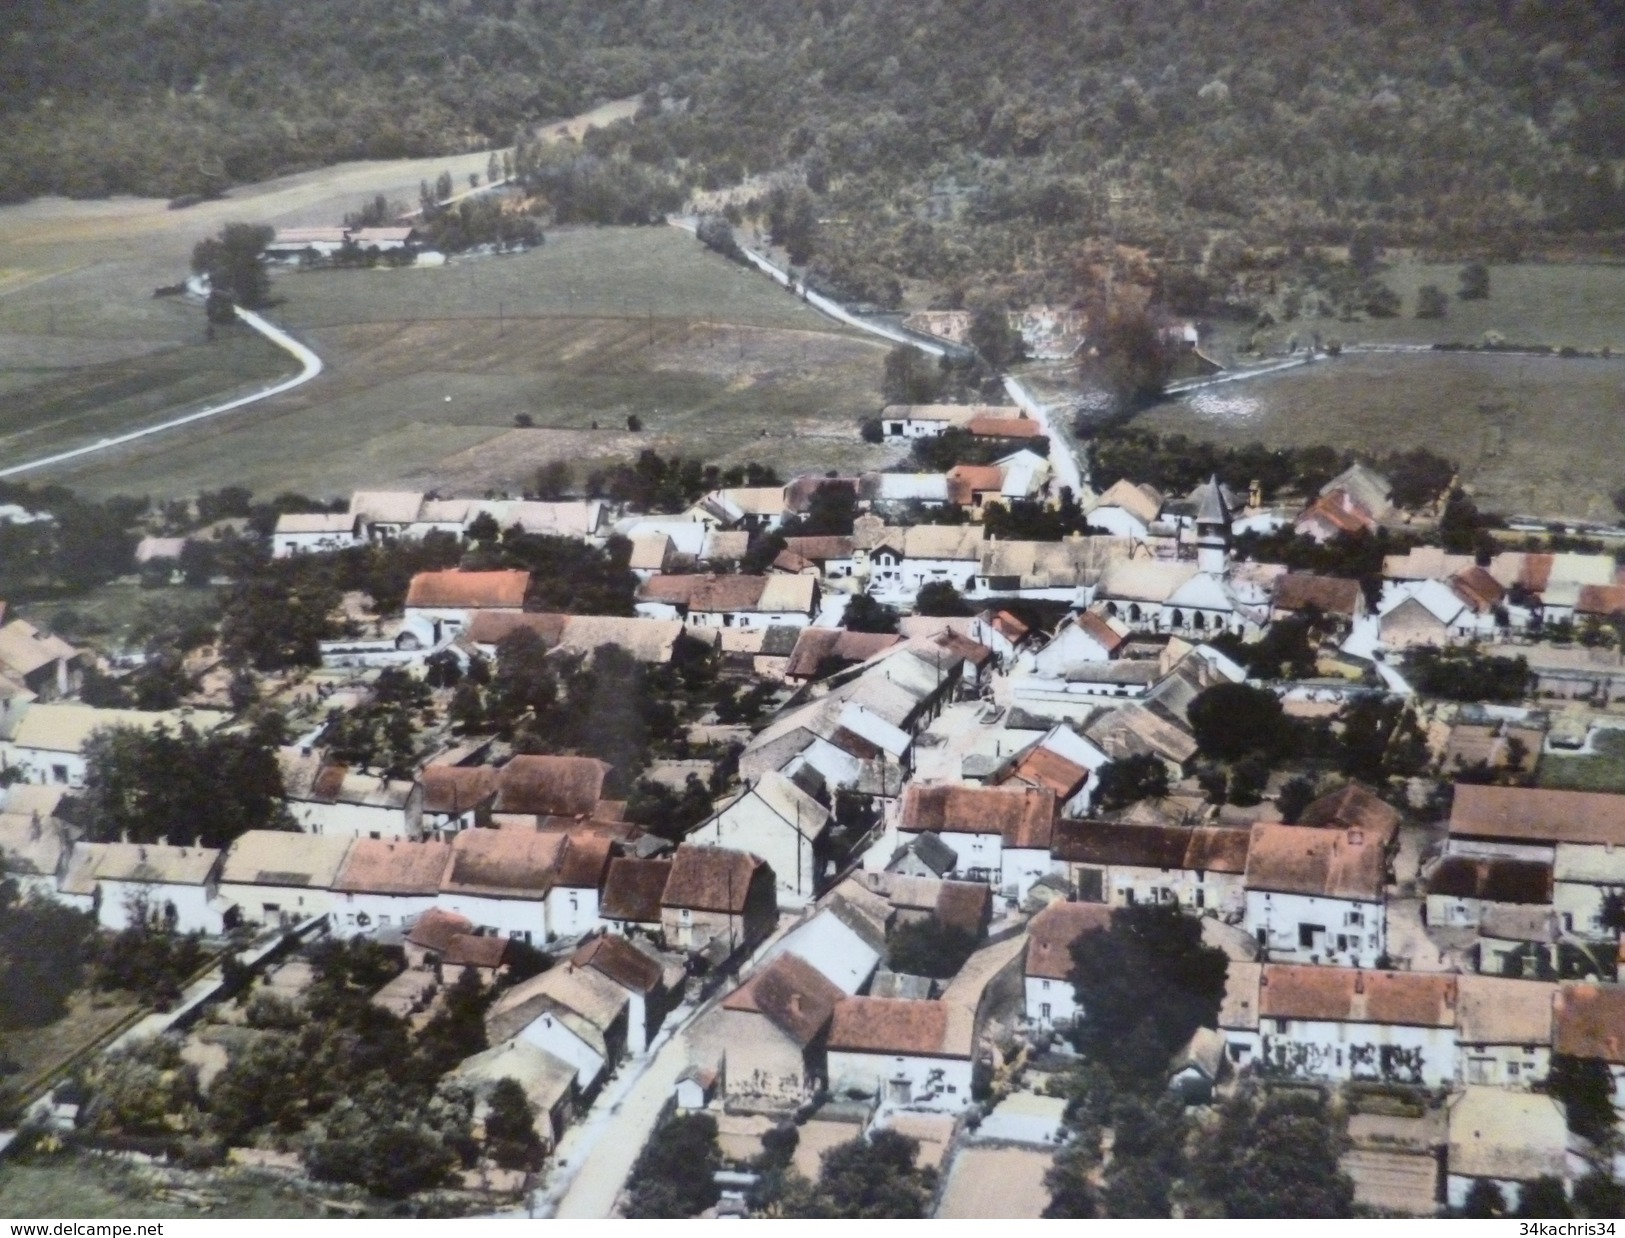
point(310, 366)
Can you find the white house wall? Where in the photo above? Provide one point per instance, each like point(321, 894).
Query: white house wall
point(1275, 921)
point(940, 1085)
point(194, 912)
point(547, 1032)
point(1341, 1052)
point(1051, 1003)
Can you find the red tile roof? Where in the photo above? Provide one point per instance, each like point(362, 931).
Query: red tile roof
point(552, 786)
point(709, 592)
point(467, 950)
point(504, 863)
point(1495, 879)
point(966, 905)
point(1101, 632)
point(621, 961)
point(1024, 816)
point(468, 590)
point(1536, 815)
point(385, 866)
point(1052, 932)
point(1353, 804)
point(710, 879)
point(1004, 427)
point(889, 1026)
point(1043, 768)
point(585, 860)
point(1301, 859)
point(632, 890)
point(456, 789)
point(1589, 1021)
point(1009, 627)
point(490, 627)
point(1481, 591)
point(792, 994)
point(1604, 600)
point(436, 927)
point(1331, 595)
point(965, 481)
point(1350, 995)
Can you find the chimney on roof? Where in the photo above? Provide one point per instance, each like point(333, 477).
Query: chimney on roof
point(1359, 982)
point(1356, 836)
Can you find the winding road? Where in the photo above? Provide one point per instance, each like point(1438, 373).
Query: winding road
point(310, 366)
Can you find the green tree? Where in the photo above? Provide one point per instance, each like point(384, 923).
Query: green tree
point(871, 1179)
point(1484, 1200)
point(910, 377)
point(1296, 795)
point(864, 614)
point(1130, 779)
point(674, 1174)
point(1431, 302)
point(1144, 985)
point(1274, 1156)
point(510, 1127)
point(1598, 1196)
point(1136, 358)
point(1585, 1088)
point(1544, 1199)
point(1380, 300)
point(43, 948)
point(234, 263)
point(1230, 720)
point(940, 598)
point(553, 480)
point(1475, 282)
point(994, 338)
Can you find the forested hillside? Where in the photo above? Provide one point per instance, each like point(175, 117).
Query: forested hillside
point(964, 136)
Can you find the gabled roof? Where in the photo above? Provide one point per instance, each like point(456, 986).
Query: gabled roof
point(1478, 589)
point(1142, 580)
point(64, 727)
point(1352, 995)
point(1365, 485)
point(458, 788)
point(549, 786)
point(710, 879)
point(1537, 815)
point(25, 648)
point(1040, 767)
point(1353, 804)
point(1492, 1010)
point(435, 929)
point(1494, 879)
point(504, 863)
point(1052, 932)
point(1022, 816)
point(965, 905)
point(587, 1002)
point(1302, 859)
point(473, 950)
point(1506, 1135)
point(1144, 503)
point(386, 506)
point(621, 961)
point(316, 522)
point(1134, 729)
point(468, 590)
point(386, 866)
point(930, 850)
point(815, 645)
point(1604, 600)
point(1004, 427)
point(584, 860)
point(284, 858)
point(632, 890)
point(156, 863)
point(889, 1026)
point(1589, 1021)
point(1331, 595)
point(791, 994)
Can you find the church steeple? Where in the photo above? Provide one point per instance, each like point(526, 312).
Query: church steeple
point(1212, 529)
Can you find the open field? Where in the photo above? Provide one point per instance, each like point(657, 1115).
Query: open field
point(36, 1051)
point(1533, 436)
point(997, 1183)
point(83, 1186)
point(1602, 771)
point(428, 369)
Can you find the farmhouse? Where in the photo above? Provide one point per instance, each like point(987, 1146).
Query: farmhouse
point(1342, 1024)
point(276, 877)
point(840, 942)
point(899, 1050)
point(631, 896)
point(533, 787)
point(712, 601)
point(502, 880)
point(440, 605)
point(457, 797)
point(717, 901)
point(172, 888)
point(639, 975)
point(384, 883)
point(45, 665)
point(1461, 888)
point(1000, 835)
point(898, 562)
point(48, 744)
point(578, 1015)
point(1303, 594)
point(651, 641)
point(1506, 1138)
point(547, 1081)
point(1126, 509)
point(1316, 894)
point(930, 420)
point(1503, 1031)
point(316, 533)
point(769, 1034)
point(1588, 1021)
point(777, 821)
point(819, 652)
point(332, 799)
point(1051, 1001)
point(1061, 761)
point(1123, 865)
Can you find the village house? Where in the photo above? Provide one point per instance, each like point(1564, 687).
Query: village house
point(775, 820)
point(333, 800)
point(1356, 501)
point(630, 902)
point(897, 563)
point(899, 1050)
point(1060, 761)
point(1315, 894)
point(274, 877)
point(1503, 1031)
point(1428, 612)
point(298, 533)
point(547, 1081)
point(386, 884)
point(1460, 888)
point(641, 976)
point(1343, 1024)
point(1080, 639)
point(502, 880)
point(457, 798)
point(1134, 730)
point(712, 601)
point(172, 888)
point(1123, 865)
point(47, 746)
point(1011, 423)
point(533, 787)
point(1051, 1000)
point(769, 1036)
point(755, 509)
point(1126, 509)
point(717, 901)
point(1000, 835)
point(963, 905)
point(34, 843)
point(1001, 632)
point(651, 641)
point(832, 557)
point(1302, 595)
point(839, 941)
point(579, 1015)
point(890, 491)
point(1508, 1139)
point(1516, 940)
point(45, 665)
point(1062, 571)
point(440, 605)
point(1588, 1021)
point(1581, 834)
point(908, 421)
point(820, 652)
